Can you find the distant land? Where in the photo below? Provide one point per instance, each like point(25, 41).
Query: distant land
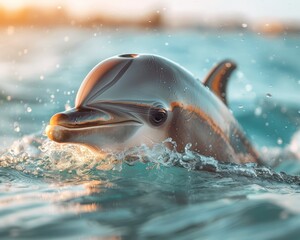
point(53, 17)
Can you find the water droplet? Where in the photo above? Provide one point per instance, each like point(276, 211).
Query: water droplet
point(67, 106)
point(29, 109)
point(268, 95)
point(244, 25)
point(248, 87)
point(279, 141)
point(16, 127)
point(166, 44)
point(258, 111)
point(52, 96)
point(241, 106)
point(188, 146)
point(240, 75)
point(42, 77)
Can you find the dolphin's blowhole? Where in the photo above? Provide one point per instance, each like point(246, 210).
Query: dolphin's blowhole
point(128, 55)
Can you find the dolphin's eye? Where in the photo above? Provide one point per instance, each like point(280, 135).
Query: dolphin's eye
point(158, 116)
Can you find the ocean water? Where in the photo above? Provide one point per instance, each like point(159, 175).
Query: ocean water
point(49, 190)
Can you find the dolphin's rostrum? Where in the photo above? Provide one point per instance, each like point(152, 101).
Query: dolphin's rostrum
point(132, 99)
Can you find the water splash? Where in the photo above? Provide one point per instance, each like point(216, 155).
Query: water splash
point(40, 157)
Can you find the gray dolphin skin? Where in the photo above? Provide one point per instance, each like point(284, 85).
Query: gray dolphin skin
point(135, 99)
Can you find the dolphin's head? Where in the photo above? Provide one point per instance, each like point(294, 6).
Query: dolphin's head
point(123, 102)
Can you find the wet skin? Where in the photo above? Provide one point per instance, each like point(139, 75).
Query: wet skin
point(132, 99)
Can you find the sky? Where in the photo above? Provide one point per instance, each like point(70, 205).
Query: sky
point(252, 10)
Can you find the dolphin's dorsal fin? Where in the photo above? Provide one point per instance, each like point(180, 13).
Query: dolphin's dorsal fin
point(218, 77)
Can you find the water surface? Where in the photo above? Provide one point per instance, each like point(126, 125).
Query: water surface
point(52, 191)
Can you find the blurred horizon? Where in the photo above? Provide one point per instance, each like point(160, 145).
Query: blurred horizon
point(256, 15)
point(252, 10)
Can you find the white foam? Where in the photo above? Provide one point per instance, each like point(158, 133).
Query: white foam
point(42, 157)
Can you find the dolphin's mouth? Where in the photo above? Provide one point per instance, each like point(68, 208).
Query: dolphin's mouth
point(94, 124)
point(59, 133)
point(77, 125)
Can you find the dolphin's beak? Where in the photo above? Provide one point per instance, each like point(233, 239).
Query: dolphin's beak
point(91, 127)
point(78, 118)
point(75, 119)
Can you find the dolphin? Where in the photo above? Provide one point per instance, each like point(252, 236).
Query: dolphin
point(133, 99)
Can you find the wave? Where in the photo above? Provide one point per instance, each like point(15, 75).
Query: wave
point(40, 157)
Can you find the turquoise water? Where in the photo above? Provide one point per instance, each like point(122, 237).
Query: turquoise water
point(52, 191)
